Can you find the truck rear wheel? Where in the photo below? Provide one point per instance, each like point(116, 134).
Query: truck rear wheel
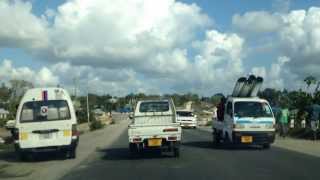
point(133, 148)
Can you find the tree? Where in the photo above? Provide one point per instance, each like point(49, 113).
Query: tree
point(17, 89)
point(310, 80)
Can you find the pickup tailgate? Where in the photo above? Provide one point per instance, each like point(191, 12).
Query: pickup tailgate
point(148, 131)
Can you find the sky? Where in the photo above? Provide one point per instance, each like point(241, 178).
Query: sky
point(159, 46)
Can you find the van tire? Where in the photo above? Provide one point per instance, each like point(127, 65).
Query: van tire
point(22, 156)
point(71, 154)
point(266, 146)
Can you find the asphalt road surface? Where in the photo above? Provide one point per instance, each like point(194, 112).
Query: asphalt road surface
point(198, 160)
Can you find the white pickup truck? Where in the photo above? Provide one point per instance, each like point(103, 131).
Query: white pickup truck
point(154, 127)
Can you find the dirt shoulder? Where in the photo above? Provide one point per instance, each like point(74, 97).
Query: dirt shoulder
point(299, 145)
point(54, 168)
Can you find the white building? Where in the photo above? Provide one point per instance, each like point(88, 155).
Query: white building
point(3, 113)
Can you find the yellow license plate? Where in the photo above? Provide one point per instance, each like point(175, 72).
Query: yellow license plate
point(154, 142)
point(246, 139)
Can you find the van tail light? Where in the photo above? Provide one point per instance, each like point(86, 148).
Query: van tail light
point(15, 134)
point(75, 131)
point(170, 130)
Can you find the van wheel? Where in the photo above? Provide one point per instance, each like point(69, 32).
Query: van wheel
point(23, 156)
point(266, 146)
point(71, 154)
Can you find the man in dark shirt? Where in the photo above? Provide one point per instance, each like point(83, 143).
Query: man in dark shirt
point(220, 111)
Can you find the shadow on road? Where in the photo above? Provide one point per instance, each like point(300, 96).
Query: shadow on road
point(210, 145)
point(115, 154)
point(11, 156)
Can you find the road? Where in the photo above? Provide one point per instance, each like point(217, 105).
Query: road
point(199, 160)
point(49, 166)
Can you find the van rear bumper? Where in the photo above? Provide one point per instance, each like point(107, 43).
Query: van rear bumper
point(258, 138)
point(73, 145)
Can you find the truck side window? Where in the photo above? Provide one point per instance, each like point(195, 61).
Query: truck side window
point(229, 108)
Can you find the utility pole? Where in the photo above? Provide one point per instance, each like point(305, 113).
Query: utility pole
point(88, 113)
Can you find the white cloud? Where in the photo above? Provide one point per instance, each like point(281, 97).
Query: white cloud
point(152, 46)
point(295, 35)
point(43, 77)
point(300, 40)
point(124, 33)
point(19, 27)
point(278, 75)
point(256, 22)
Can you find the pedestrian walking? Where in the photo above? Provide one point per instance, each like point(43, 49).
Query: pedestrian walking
point(314, 119)
point(284, 119)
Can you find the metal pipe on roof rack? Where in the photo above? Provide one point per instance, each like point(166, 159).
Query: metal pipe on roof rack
point(245, 90)
point(239, 84)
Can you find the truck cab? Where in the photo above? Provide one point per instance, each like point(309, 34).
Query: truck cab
point(247, 120)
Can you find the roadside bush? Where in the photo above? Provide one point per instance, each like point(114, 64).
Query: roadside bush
point(3, 122)
point(94, 123)
point(303, 133)
point(209, 123)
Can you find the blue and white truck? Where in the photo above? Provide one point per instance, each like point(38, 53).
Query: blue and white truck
point(248, 119)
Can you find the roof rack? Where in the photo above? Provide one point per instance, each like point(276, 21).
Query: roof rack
point(247, 87)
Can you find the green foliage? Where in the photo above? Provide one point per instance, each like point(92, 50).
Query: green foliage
point(3, 122)
point(310, 80)
point(94, 123)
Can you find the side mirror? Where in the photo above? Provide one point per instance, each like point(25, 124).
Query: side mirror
point(130, 116)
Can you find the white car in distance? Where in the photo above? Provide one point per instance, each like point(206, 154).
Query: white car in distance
point(187, 118)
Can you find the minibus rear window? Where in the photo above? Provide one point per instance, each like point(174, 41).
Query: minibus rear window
point(51, 110)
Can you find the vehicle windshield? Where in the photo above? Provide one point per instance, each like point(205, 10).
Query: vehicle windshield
point(184, 113)
point(154, 106)
point(252, 109)
point(51, 110)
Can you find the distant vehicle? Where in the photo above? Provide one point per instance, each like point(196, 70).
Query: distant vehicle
point(46, 121)
point(247, 119)
point(187, 118)
point(154, 126)
point(10, 124)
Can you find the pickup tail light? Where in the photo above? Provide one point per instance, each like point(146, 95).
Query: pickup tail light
point(170, 130)
point(173, 138)
point(74, 130)
point(136, 139)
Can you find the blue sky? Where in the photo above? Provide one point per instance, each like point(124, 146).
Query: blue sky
point(239, 37)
